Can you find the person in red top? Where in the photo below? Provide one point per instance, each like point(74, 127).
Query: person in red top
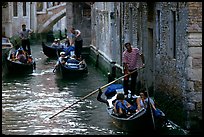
point(132, 59)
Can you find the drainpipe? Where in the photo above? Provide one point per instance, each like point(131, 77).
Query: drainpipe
point(113, 69)
point(112, 75)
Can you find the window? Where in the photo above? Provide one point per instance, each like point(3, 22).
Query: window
point(39, 6)
point(172, 44)
point(15, 9)
point(24, 8)
point(158, 26)
point(131, 24)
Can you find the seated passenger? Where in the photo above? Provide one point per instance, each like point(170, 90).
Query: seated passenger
point(17, 51)
point(121, 105)
point(13, 57)
point(54, 44)
point(21, 57)
point(62, 59)
point(136, 103)
point(59, 44)
point(146, 100)
point(30, 59)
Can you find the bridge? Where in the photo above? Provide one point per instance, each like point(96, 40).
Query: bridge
point(50, 13)
point(50, 16)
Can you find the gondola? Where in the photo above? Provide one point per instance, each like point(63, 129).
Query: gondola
point(72, 68)
point(51, 52)
point(138, 122)
point(17, 67)
point(6, 47)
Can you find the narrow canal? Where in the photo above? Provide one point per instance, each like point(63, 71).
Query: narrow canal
point(29, 101)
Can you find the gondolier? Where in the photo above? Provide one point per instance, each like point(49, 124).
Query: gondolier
point(24, 36)
point(78, 42)
point(132, 59)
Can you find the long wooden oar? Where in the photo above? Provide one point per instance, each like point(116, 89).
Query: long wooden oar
point(150, 106)
point(93, 92)
point(54, 70)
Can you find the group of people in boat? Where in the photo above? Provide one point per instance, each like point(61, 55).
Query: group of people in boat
point(67, 60)
point(71, 48)
point(21, 56)
point(124, 106)
point(73, 44)
point(23, 53)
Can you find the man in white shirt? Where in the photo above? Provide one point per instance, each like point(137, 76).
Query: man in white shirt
point(24, 36)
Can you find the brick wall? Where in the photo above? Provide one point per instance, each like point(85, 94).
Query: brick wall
point(195, 16)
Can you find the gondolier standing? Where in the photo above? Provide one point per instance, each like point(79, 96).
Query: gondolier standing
point(132, 59)
point(24, 36)
point(78, 42)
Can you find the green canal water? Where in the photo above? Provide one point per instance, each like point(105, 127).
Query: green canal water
point(29, 100)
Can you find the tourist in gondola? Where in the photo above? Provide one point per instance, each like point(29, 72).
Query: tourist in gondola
point(21, 56)
point(54, 44)
point(13, 56)
point(146, 100)
point(30, 59)
point(62, 59)
point(123, 108)
point(59, 44)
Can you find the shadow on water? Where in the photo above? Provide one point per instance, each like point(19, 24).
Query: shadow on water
point(18, 77)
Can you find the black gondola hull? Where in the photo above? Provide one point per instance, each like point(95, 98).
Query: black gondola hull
point(16, 67)
point(65, 71)
point(135, 124)
point(51, 52)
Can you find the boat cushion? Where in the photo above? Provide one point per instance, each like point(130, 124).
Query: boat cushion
point(111, 90)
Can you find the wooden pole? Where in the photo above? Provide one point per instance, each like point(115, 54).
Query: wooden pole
point(93, 92)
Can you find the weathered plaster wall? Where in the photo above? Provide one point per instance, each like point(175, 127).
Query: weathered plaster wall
point(13, 24)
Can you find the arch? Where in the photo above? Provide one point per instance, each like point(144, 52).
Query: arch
point(52, 21)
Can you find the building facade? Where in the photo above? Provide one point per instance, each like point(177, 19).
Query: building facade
point(170, 36)
point(15, 14)
point(38, 16)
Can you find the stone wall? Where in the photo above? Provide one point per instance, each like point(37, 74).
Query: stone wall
point(79, 20)
point(180, 78)
point(194, 66)
point(172, 54)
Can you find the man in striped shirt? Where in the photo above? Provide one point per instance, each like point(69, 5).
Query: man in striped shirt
point(132, 59)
